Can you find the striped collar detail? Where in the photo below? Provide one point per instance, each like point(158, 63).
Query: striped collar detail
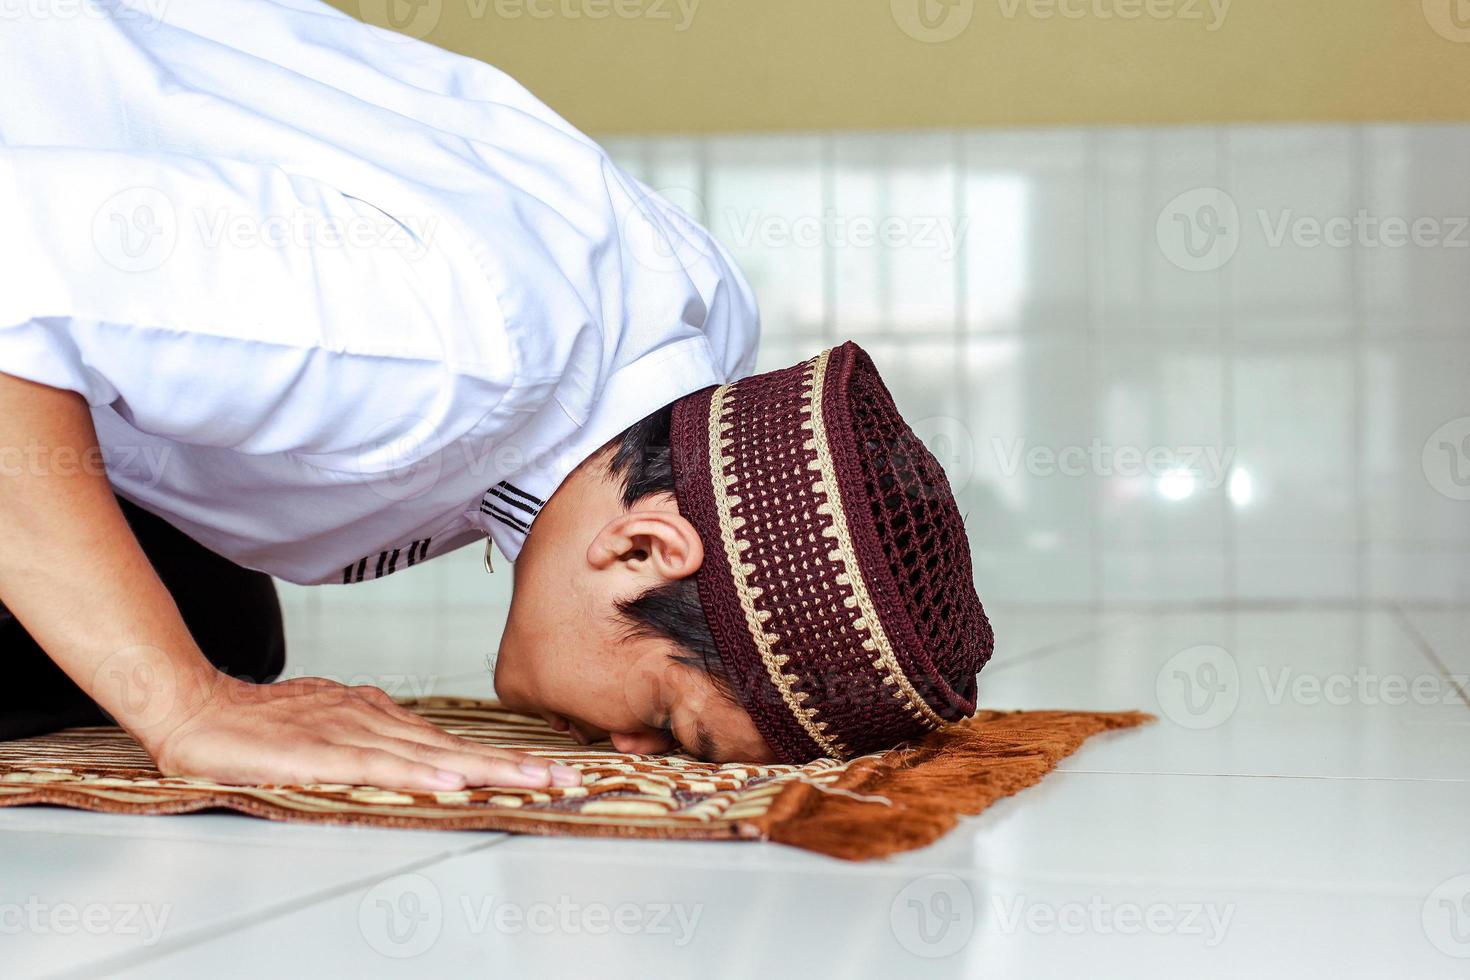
point(386, 562)
point(511, 506)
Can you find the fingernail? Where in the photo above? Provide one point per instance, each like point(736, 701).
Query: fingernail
point(565, 775)
point(448, 780)
point(533, 768)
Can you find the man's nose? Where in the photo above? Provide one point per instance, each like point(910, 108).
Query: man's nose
point(642, 743)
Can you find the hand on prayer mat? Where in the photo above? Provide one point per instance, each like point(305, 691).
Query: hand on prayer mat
point(868, 807)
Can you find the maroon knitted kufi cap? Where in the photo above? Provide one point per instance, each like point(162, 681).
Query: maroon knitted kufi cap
point(836, 576)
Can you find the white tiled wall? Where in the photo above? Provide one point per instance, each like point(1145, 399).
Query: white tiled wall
point(1027, 292)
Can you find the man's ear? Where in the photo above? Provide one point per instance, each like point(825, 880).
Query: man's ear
point(657, 543)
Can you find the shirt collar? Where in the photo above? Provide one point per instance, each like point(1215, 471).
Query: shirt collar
point(552, 444)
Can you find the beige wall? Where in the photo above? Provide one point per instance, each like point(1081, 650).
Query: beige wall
point(649, 66)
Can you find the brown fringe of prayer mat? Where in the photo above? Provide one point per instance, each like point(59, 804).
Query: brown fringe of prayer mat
point(866, 808)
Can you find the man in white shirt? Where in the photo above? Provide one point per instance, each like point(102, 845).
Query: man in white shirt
point(320, 302)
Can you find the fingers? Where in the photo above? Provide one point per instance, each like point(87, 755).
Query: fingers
point(416, 728)
point(409, 735)
point(481, 768)
point(302, 761)
point(429, 736)
point(377, 739)
point(405, 724)
point(375, 767)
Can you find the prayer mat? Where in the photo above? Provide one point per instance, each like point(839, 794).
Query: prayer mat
point(874, 805)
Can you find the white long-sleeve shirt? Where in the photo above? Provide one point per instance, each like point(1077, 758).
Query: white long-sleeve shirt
point(341, 301)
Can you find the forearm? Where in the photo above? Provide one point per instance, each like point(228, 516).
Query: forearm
point(75, 576)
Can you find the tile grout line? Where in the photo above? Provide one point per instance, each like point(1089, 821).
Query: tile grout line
point(1047, 649)
point(1225, 347)
point(1427, 649)
point(1357, 262)
point(1094, 232)
point(169, 836)
point(1175, 773)
point(110, 965)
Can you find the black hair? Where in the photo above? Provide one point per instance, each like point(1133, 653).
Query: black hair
point(643, 461)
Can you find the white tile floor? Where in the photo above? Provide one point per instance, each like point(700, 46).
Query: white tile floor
point(1310, 820)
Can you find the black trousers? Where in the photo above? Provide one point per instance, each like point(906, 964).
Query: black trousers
point(233, 613)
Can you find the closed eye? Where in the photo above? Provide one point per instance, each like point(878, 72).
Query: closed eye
point(705, 749)
point(667, 731)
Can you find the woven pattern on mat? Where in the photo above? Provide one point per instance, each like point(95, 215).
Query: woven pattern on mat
point(870, 806)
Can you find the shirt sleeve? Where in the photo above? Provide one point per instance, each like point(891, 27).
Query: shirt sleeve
point(731, 317)
point(236, 305)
